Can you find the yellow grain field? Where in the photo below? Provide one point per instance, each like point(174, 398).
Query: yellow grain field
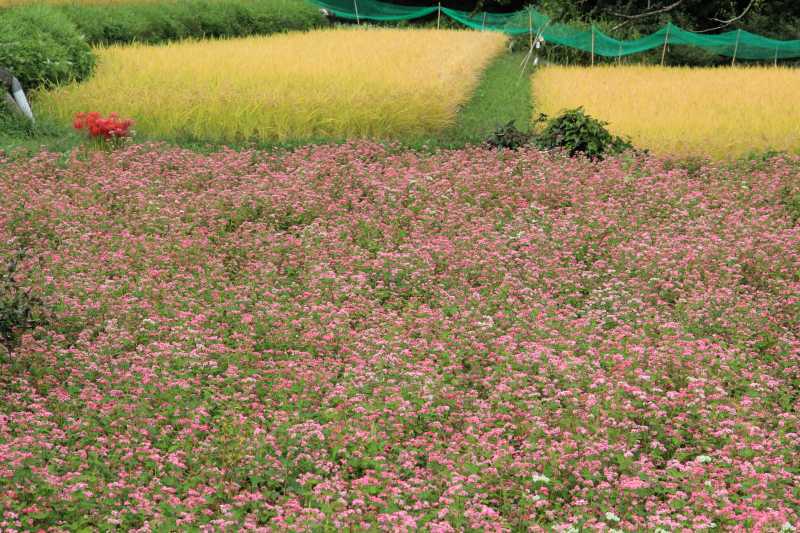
point(719, 112)
point(339, 83)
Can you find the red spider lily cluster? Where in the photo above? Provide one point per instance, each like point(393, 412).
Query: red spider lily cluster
point(111, 127)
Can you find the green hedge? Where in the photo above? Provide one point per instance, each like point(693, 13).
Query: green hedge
point(46, 45)
point(42, 47)
point(168, 21)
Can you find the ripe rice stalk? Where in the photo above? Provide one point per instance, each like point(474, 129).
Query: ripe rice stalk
point(718, 112)
point(338, 83)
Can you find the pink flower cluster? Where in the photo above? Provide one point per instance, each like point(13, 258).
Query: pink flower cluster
point(358, 337)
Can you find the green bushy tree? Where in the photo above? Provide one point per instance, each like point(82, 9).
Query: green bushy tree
point(42, 47)
point(161, 22)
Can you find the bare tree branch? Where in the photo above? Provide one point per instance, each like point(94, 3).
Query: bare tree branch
point(728, 22)
point(740, 15)
point(664, 9)
point(723, 22)
point(621, 25)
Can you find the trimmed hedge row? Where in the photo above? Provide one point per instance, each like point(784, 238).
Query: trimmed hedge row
point(46, 45)
point(41, 47)
point(167, 21)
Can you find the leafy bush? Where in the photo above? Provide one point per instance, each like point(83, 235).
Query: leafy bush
point(508, 136)
point(167, 21)
point(578, 132)
point(41, 47)
point(19, 309)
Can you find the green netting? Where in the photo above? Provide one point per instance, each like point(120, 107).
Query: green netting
point(371, 10)
point(738, 44)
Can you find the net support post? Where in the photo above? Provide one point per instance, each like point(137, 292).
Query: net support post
point(439, 16)
point(355, 6)
point(483, 24)
point(666, 42)
point(736, 47)
point(593, 44)
point(530, 26)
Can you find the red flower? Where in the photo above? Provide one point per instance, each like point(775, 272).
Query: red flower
point(96, 126)
point(79, 121)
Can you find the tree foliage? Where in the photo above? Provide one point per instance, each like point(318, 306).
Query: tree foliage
point(775, 18)
point(772, 18)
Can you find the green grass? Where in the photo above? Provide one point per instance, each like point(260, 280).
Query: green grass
point(502, 95)
point(21, 138)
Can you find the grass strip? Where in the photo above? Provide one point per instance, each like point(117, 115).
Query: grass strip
point(503, 94)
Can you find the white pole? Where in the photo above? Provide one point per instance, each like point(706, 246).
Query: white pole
point(19, 98)
point(664, 50)
point(439, 16)
point(358, 20)
point(736, 48)
point(530, 27)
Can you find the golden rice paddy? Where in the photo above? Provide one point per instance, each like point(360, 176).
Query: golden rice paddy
point(338, 83)
point(719, 112)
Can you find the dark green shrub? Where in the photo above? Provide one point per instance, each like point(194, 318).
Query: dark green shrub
point(577, 132)
point(41, 47)
point(508, 136)
point(169, 21)
point(19, 309)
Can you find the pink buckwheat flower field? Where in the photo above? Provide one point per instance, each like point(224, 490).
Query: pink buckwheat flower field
point(357, 337)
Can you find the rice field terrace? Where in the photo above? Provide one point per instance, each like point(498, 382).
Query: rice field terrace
point(332, 84)
point(360, 337)
point(719, 112)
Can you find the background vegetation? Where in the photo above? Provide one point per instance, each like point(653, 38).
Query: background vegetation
point(778, 19)
point(40, 46)
point(159, 22)
point(630, 19)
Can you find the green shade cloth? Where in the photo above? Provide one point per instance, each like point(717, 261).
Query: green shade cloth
point(739, 44)
point(369, 10)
